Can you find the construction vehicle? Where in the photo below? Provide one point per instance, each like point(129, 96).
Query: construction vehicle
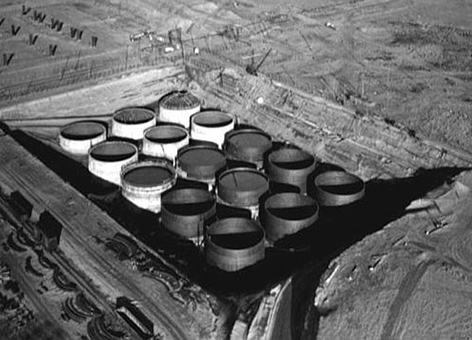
point(253, 68)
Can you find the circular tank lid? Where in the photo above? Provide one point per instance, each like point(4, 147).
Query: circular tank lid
point(165, 134)
point(82, 130)
point(188, 201)
point(201, 159)
point(235, 233)
point(249, 139)
point(291, 159)
point(113, 151)
point(212, 119)
point(179, 100)
point(148, 174)
point(133, 115)
point(291, 206)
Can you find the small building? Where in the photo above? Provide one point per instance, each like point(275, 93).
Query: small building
point(51, 229)
point(22, 207)
point(135, 318)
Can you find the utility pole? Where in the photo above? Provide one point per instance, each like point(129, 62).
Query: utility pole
point(91, 68)
point(335, 89)
point(78, 60)
point(64, 69)
point(306, 41)
point(181, 42)
point(139, 49)
point(126, 58)
point(224, 42)
point(362, 85)
point(388, 88)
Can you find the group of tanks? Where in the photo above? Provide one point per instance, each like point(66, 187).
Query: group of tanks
point(262, 189)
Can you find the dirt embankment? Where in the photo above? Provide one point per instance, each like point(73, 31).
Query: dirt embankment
point(409, 280)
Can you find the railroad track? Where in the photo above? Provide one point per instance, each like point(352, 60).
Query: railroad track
point(83, 283)
point(60, 267)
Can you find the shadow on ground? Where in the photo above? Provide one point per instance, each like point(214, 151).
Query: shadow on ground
point(305, 255)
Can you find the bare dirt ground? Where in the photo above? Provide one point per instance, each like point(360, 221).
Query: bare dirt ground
point(408, 62)
point(410, 280)
point(398, 59)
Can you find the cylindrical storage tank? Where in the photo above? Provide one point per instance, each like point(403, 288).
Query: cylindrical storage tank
point(164, 141)
point(108, 158)
point(286, 214)
point(77, 138)
point(131, 122)
point(242, 188)
point(200, 163)
point(211, 126)
point(248, 145)
point(177, 107)
point(291, 166)
point(338, 188)
point(144, 182)
point(185, 211)
point(234, 243)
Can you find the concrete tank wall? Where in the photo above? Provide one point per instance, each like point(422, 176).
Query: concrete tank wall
point(164, 141)
point(144, 182)
point(107, 159)
point(131, 122)
point(177, 107)
point(77, 138)
point(211, 126)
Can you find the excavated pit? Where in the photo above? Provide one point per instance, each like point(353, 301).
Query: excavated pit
point(320, 246)
point(304, 256)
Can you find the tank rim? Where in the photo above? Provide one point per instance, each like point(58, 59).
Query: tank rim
point(142, 164)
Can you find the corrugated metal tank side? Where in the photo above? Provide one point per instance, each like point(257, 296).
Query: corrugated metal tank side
point(338, 188)
point(292, 167)
point(285, 214)
point(235, 243)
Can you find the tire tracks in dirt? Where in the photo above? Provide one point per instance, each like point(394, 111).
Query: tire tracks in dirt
point(405, 292)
